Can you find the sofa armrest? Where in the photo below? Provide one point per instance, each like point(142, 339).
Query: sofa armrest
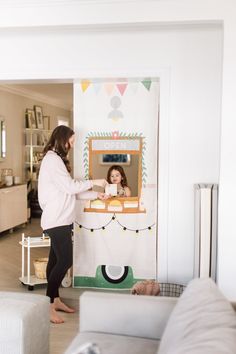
point(124, 314)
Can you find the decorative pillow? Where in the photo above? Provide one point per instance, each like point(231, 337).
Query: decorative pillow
point(146, 287)
point(202, 322)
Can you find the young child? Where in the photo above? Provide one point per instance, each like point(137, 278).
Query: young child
point(116, 175)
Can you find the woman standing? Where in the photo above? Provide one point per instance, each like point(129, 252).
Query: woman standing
point(57, 193)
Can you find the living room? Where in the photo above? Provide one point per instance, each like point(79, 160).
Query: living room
point(181, 43)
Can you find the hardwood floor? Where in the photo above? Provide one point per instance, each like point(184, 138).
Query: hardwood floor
point(10, 271)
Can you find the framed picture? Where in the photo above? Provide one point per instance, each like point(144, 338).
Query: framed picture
point(46, 122)
point(39, 116)
point(30, 119)
point(113, 159)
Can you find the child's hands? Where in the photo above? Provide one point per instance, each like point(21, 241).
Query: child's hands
point(100, 182)
point(103, 196)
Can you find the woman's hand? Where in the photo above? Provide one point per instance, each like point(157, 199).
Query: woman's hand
point(100, 182)
point(103, 196)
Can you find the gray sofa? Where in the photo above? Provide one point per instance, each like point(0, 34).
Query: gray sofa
point(24, 323)
point(200, 321)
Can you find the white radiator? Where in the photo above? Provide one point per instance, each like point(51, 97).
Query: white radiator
point(205, 230)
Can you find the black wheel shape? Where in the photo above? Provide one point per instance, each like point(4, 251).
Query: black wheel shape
point(30, 288)
point(114, 281)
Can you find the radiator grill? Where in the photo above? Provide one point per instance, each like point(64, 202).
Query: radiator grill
point(205, 230)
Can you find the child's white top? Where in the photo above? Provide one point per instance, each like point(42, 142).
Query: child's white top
point(57, 192)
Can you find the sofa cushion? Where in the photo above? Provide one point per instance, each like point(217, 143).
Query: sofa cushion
point(114, 344)
point(125, 314)
point(203, 321)
point(24, 323)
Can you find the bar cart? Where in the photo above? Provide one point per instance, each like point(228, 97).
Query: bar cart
point(27, 278)
point(28, 243)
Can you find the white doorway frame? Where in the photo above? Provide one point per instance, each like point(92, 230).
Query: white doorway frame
point(163, 74)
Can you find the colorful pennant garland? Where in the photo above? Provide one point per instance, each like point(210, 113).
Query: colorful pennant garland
point(109, 87)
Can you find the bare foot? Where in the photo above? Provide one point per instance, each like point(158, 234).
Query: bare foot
point(54, 318)
point(60, 306)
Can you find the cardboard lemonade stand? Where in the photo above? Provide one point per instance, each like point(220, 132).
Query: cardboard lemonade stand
point(115, 241)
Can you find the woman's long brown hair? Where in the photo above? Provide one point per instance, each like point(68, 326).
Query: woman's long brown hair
point(120, 169)
point(59, 142)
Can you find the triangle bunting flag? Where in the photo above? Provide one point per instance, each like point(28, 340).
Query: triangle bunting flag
point(85, 84)
point(97, 87)
point(147, 83)
point(109, 87)
point(122, 88)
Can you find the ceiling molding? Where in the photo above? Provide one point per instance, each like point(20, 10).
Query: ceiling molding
point(49, 3)
point(115, 27)
point(35, 96)
point(25, 14)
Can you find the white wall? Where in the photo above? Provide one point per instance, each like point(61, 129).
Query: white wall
point(194, 135)
point(65, 55)
point(193, 56)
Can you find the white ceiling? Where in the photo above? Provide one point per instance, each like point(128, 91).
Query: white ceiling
point(60, 94)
